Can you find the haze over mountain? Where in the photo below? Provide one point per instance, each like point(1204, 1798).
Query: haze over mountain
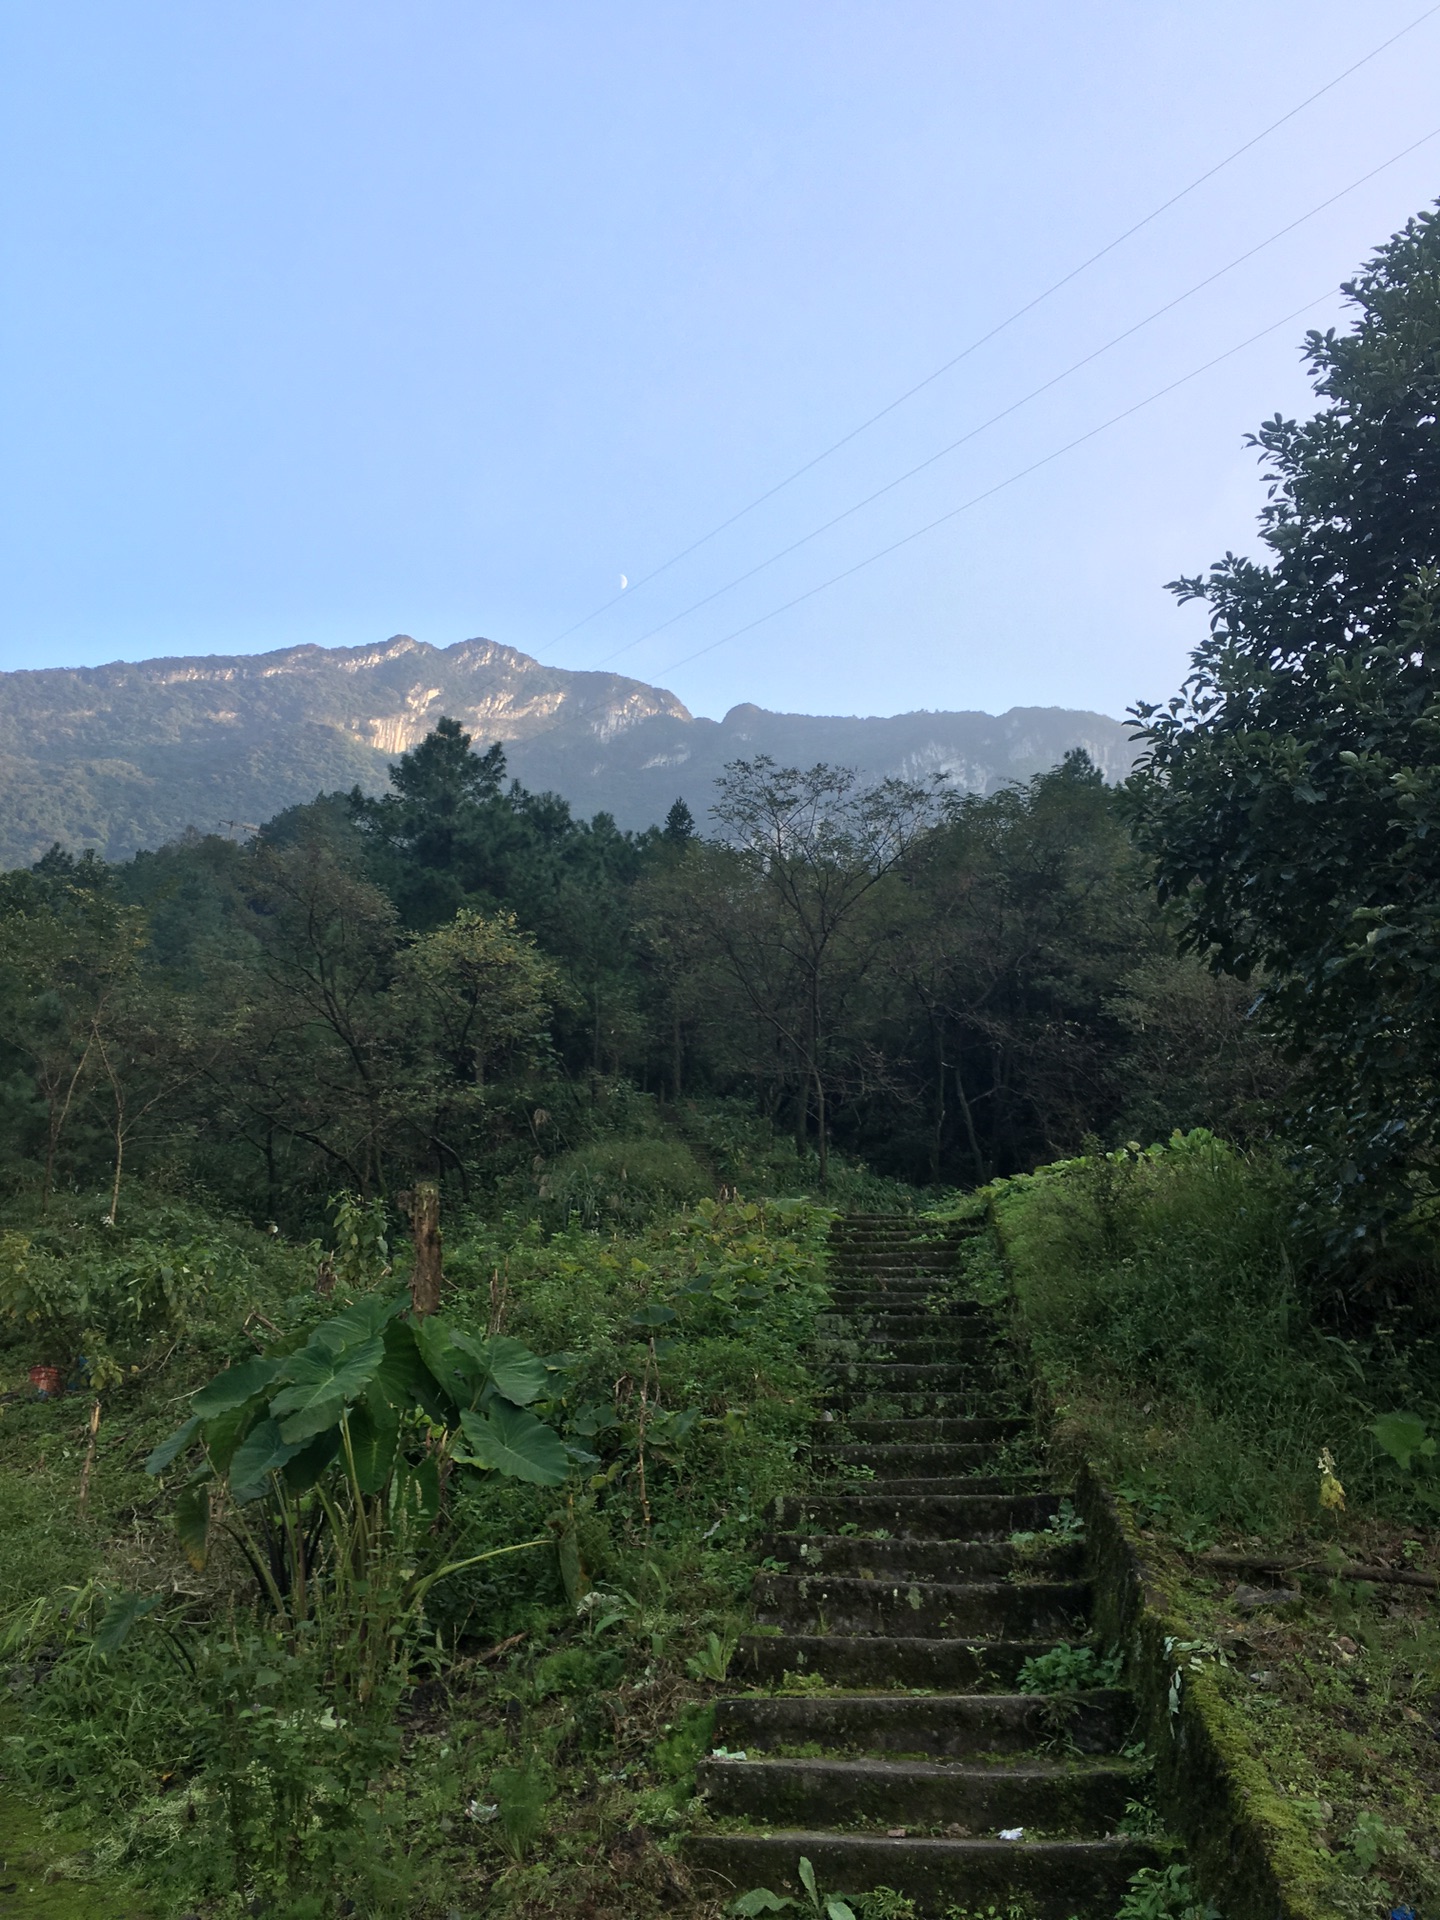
point(129, 755)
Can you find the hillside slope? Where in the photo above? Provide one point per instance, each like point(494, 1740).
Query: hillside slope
point(128, 755)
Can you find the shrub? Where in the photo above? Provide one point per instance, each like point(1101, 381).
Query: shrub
point(621, 1185)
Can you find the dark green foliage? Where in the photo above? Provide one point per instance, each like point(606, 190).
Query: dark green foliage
point(1180, 1268)
point(1290, 797)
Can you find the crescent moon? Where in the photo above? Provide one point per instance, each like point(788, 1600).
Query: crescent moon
point(624, 583)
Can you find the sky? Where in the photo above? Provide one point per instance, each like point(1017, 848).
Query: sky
point(325, 321)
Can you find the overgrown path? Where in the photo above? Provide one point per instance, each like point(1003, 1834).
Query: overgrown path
point(894, 1750)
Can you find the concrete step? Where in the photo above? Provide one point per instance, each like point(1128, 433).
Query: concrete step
point(856, 1269)
point(884, 1432)
point(899, 1298)
point(962, 1403)
point(892, 1325)
point(840, 1485)
point(916, 1457)
point(839, 1603)
point(952, 1561)
point(957, 1726)
point(970, 1352)
point(1059, 1879)
point(1079, 1798)
point(906, 1375)
point(950, 1516)
point(878, 1660)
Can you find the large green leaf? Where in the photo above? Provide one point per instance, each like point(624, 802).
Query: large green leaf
point(303, 1469)
point(453, 1361)
point(170, 1449)
point(360, 1322)
point(514, 1371)
point(374, 1433)
point(405, 1380)
point(511, 1441)
point(417, 1488)
point(466, 1367)
point(320, 1384)
point(235, 1386)
point(1403, 1436)
point(192, 1522)
point(120, 1616)
point(223, 1434)
point(263, 1451)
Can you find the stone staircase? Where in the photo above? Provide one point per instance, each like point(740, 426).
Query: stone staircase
point(886, 1741)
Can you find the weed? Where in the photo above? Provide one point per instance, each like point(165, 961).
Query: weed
point(713, 1660)
point(1370, 1838)
point(1068, 1669)
point(522, 1795)
point(1164, 1893)
point(884, 1903)
point(817, 1903)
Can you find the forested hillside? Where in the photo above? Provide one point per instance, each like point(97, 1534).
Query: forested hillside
point(372, 991)
point(116, 758)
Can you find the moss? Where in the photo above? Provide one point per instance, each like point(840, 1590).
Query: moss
point(42, 1873)
point(1249, 1849)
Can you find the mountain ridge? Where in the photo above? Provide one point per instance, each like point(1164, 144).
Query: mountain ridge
point(132, 753)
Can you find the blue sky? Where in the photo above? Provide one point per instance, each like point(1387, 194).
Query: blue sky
point(327, 321)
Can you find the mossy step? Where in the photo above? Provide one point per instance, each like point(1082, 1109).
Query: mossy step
point(950, 1516)
point(913, 1457)
point(928, 1430)
point(976, 1361)
point(966, 1322)
point(1083, 1800)
point(903, 1376)
point(926, 1608)
point(920, 1403)
point(954, 1560)
point(954, 1725)
point(902, 1297)
point(879, 1660)
point(1061, 1879)
point(856, 1268)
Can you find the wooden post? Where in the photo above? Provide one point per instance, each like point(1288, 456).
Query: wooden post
point(425, 1232)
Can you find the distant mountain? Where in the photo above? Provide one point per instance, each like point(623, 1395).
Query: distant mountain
point(128, 756)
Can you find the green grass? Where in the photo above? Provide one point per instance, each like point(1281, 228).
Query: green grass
point(1187, 1350)
point(1184, 1345)
point(232, 1771)
point(48, 1873)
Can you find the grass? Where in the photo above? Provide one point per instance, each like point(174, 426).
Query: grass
point(542, 1760)
point(1182, 1343)
point(48, 1873)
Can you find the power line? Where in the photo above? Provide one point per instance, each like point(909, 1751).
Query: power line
point(579, 711)
point(1000, 485)
point(1016, 405)
point(1019, 313)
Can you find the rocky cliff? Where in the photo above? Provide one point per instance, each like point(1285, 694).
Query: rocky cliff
point(127, 756)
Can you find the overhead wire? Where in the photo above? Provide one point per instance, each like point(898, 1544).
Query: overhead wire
point(1015, 405)
point(567, 713)
point(1009, 320)
point(988, 493)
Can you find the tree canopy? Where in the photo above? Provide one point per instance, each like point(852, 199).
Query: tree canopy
point(1291, 795)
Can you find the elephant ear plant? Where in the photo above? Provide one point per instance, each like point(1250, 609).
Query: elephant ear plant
point(326, 1462)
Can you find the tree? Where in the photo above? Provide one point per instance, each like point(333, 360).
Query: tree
point(810, 848)
point(1291, 793)
point(313, 1056)
point(1024, 910)
point(477, 999)
point(679, 823)
point(69, 951)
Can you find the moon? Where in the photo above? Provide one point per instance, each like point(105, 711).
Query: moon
point(624, 583)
